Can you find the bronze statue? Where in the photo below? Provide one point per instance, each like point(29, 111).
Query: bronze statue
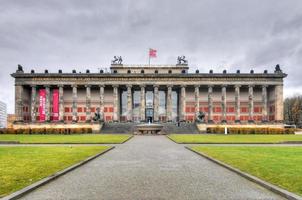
point(181, 60)
point(200, 117)
point(117, 60)
point(278, 69)
point(97, 115)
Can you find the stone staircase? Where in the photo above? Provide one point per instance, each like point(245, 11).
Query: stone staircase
point(183, 128)
point(130, 128)
point(118, 128)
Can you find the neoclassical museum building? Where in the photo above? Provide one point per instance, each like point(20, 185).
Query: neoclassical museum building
point(155, 93)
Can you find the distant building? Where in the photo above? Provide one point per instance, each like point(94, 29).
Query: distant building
point(3, 115)
point(10, 120)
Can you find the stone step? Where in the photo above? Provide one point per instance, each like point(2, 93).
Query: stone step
point(118, 128)
point(181, 128)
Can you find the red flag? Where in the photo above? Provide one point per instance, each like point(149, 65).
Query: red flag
point(152, 53)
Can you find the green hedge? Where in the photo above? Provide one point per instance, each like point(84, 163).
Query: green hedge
point(46, 131)
point(268, 131)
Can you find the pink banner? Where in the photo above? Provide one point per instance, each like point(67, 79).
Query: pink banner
point(55, 105)
point(42, 102)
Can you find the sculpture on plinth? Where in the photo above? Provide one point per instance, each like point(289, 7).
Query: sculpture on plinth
point(181, 60)
point(200, 117)
point(117, 60)
point(278, 69)
point(97, 115)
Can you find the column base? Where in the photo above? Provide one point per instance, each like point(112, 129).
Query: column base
point(88, 121)
point(210, 121)
point(224, 121)
point(264, 121)
point(251, 121)
point(74, 121)
point(237, 121)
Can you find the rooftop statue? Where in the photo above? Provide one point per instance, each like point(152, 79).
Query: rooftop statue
point(181, 60)
point(117, 60)
point(278, 69)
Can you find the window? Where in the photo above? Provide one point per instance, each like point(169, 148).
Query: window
point(230, 109)
point(129, 71)
point(142, 71)
point(110, 109)
point(183, 71)
point(170, 71)
point(244, 110)
point(156, 72)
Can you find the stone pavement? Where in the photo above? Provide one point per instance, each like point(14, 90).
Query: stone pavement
point(151, 167)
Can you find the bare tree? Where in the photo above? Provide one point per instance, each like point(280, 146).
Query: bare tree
point(293, 110)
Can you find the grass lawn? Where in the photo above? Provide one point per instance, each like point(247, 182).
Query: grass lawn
point(280, 166)
point(22, 166)
point(219, 138)
point(73, 139)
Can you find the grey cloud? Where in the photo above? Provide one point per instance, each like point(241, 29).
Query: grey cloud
point(213, 34)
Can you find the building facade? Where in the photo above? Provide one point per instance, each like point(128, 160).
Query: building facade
point(3, 115)
point(156, 93)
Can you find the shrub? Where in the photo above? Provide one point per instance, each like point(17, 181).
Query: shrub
point(256, 130)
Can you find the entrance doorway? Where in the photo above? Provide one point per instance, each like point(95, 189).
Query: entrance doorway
point(149, 114)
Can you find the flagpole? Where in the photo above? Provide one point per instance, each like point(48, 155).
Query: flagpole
point(149, 56)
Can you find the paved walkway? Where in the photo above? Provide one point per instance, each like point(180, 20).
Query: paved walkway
point(151, 167)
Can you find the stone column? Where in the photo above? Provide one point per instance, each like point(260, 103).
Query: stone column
point(115, 104)
point(143, 104)
point(264, 103)
point(279, 103)
point(19, 103)
point(223, 103)
point(74, 103)
point(251, 103)
point(61, 103)
point(47, 103)
point(129, 103)
point(101, 109)
point(33, 103)
point(156, 103)
point(237, 103)
point(169, 103)
point(183, 103)
point(196, 93)
point(210, 104)
point(88, 103)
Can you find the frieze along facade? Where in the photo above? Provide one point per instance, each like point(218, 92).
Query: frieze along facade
point(142, 93)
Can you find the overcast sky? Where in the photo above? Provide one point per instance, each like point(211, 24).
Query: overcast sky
point(212, 34)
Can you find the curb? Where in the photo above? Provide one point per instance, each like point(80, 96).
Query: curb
point(127, 139)
point(173, 140)
point(24, 191)
point(284, 142)
point(271, 187)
